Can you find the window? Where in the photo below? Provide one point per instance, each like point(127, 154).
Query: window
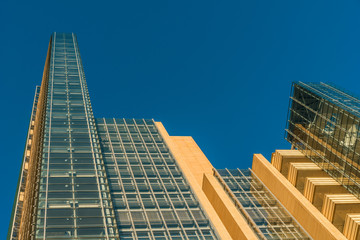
point(330, 125)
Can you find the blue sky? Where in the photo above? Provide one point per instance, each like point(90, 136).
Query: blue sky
point(219, 71)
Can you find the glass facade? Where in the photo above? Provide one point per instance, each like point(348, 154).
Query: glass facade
point(97, 179)
point(152, 199)
point(324, 123)
point(264, 213)
point(74, 200)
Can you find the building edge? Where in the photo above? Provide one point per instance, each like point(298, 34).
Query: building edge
point(31, 159)
point(195, 167)
point(22, 167)
point(315, 223)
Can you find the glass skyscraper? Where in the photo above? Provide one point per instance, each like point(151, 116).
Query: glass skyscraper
point(107, 178)
point(87, 178)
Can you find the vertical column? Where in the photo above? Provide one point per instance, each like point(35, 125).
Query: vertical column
point(74, 198)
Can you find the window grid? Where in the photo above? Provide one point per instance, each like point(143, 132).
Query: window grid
point(70, 156)
point(174, 181)
point(175, 215)
point(267, 217)
point(141, 165)
point(120, 179)
point(323, 123)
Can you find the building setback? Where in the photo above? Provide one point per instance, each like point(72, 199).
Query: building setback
point(94, 178)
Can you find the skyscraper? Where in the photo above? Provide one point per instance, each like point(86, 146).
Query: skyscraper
point(104, 178)
point(100, 179)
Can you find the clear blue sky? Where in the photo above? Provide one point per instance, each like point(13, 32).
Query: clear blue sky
point(219, 71)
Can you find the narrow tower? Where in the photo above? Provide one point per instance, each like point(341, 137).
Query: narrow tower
point(83, 178)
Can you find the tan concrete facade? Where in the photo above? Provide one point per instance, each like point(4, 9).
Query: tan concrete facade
point(337, 206)
point(332, 200)
point(308, 216)
point(351, 227)
point(223, 214)
point(298, 172)
point(180, 155)
point(316, 189)
point(281, 159)
point(226, 209)
point(28, 196)
point(313, 198)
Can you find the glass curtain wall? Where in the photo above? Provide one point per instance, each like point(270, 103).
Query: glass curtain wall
point(120, 182)
point(324, 124)
point(264, 213)
point(74, 200)
point(152, 199)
